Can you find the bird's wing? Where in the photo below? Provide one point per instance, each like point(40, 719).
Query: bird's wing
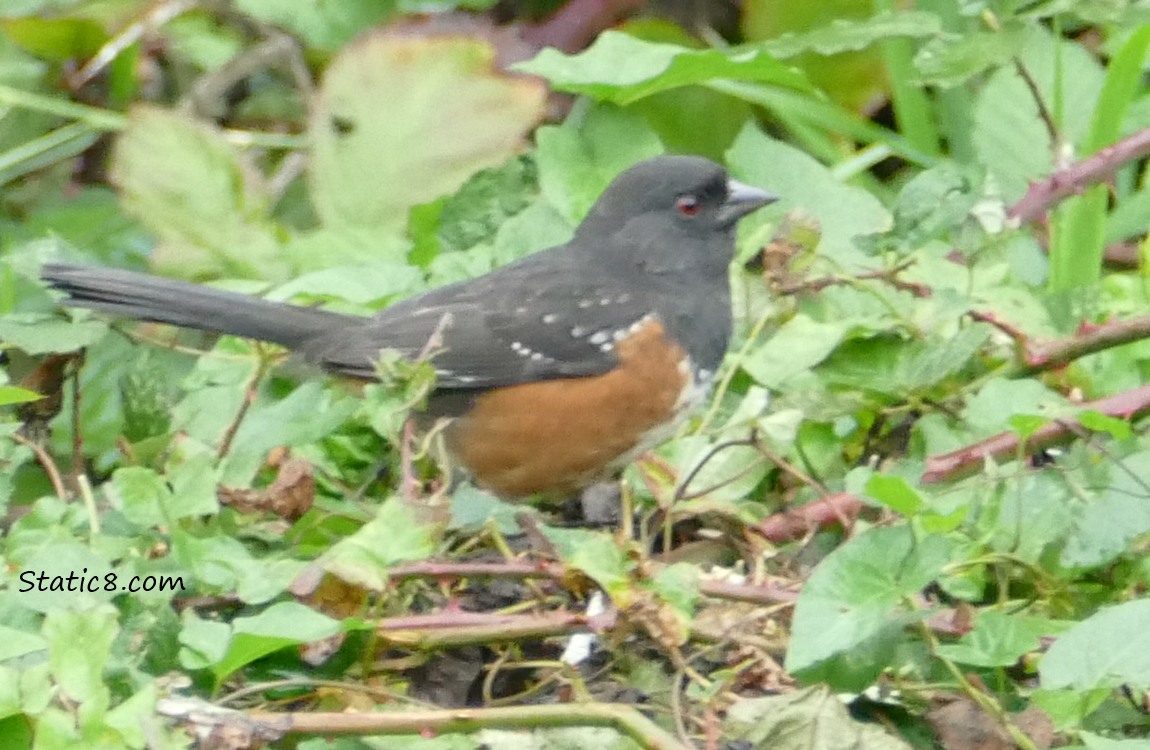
point(525, 322)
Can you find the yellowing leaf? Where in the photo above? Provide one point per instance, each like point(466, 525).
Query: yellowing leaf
point(404, 120)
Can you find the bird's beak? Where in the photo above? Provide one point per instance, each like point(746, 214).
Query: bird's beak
point(741, 200)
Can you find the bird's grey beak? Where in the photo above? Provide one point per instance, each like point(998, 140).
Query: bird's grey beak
point(741, 200)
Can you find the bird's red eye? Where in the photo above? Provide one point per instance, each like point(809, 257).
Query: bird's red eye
point(688, 205)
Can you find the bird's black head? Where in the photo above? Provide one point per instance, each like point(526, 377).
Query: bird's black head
point(670, 213)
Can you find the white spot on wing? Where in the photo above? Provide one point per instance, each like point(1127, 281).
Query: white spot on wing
point(550, 318)
point(599, 337)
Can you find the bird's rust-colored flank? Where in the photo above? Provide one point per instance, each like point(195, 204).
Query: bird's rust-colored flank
point(559, 435)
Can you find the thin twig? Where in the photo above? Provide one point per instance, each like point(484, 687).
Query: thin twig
point(457, 628)
point(47, 463)
point(250, 392)
point(1072, 179)
point(887, 275)
point(1090, 339)
point(153, 19)
point(89, 499)
point(1131, 404)
point(77, 422)
point(744, 592)
point(681, 492)
point(626, 719)
point(797, 522)
point(1043, 112)
point(259, 687)
point(788, 468)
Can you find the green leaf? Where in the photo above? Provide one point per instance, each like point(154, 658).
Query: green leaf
point(475, 213)
point(279, 626)
point(324, 26)
point(223, 563)
point(344, 246)
point(57, 39)
point(205, 202)
point(37, 688)
point(1098, 742)
point(1009, 137)
point(1078, 233)
point(11, 394)
point(59, 575)
point(403, 120)
point(203, 643)
point(1117, 515)
point(798, 345)
point(15, 643)
point(678, 586)
point(1069, 708)
point(194, 484)
point(843, 212)
point(895, 493)
point(310, 412)
point(578, 160)
point(954, 59)
point(10, 707)
point(727, 476)
point(1119, 429)
point(997, 640)
point(1025, 425)
point(857, 594)
point(812, 718)
point(933, 204)
point(869, 362)
point(991, 409)
point(472, 509)
point(843, 35)
point(620, 68)
point(79, 644)
point(1106, 650)
point(394, 536)
point(142, 495)
point(132, 716)
point(34, 333)
point(931, 362)
point(598, 556)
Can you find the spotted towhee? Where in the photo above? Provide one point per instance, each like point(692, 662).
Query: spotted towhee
point(557, 369)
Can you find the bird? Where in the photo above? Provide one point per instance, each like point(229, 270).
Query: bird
point(556, 370)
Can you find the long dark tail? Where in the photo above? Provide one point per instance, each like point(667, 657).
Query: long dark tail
point(144, 297)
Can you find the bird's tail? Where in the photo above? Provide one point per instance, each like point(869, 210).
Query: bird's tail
point(144, 297)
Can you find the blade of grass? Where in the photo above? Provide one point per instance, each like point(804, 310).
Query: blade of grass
point(954, 106)
point(1078, 232)
point(94, 117)
point(61, 143)
point(825, 115)
point(106, 119)
point(912, 107)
